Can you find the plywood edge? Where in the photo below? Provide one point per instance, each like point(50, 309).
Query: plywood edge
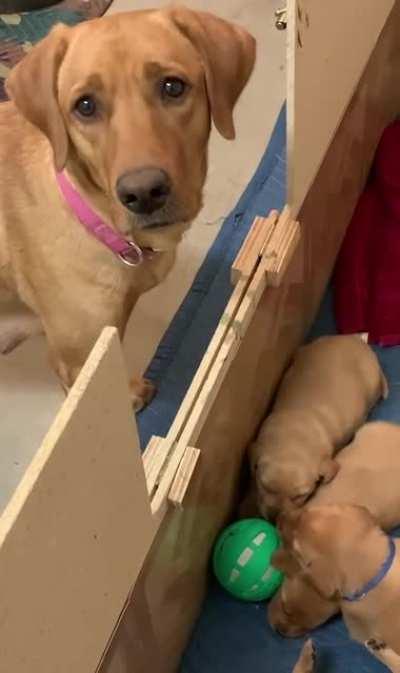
point(167, 445)
point(10, 514)
point(258, 236)
point(275, 258)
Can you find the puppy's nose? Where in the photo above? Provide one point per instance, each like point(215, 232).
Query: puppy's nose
point(144, 190)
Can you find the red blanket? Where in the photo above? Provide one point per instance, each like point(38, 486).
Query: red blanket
point(367, 275)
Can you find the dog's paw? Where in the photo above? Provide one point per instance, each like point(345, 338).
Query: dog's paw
point(143, 392)
point(306, 662)
point(375, 645)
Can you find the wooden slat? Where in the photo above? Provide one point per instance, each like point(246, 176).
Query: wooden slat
point(258, 236)
point(271, 262)
point(167, 446)
point(183, 476)
point(153, 461)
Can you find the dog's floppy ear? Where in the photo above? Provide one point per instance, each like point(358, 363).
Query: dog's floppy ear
point(324, 577)
point(228, 55)
point(284, 561)
point(328, 470)
point(32, 86)
point(320, 570)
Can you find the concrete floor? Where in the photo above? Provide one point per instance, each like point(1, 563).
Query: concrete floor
point(29, 393)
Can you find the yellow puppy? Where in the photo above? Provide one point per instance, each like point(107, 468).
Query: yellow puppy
point(325, 396)
point(369, 476)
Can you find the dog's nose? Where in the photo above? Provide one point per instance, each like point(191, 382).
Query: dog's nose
point(144, 190)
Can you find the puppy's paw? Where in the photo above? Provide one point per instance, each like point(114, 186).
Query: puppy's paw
point(375, 645)
point(143, 392)
point(306, 662)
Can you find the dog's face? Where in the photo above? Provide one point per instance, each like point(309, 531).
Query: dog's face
point(127, 100)
point(298, 608)
point(321, 540)
point(288, 482)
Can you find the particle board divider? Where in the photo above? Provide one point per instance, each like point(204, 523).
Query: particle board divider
point(80, 500)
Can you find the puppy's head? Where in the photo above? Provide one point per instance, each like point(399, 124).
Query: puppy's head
point(322, 541)
point(286, 482)
point(126, 102)
point(298, 608)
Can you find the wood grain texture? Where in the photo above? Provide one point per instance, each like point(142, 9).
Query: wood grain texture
point(68, 554)
point(330, 44)
point(173, 581)
point(258, 236)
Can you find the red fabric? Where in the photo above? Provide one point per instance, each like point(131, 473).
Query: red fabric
point(367, 275)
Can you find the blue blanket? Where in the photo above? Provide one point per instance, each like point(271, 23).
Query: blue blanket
point(234, 637)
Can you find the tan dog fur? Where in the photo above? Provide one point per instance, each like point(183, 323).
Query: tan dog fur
point(325, 396)
point(339, 548)
point(72, 283)
point(369, 476)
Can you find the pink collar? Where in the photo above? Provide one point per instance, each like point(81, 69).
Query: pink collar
point(127, 251)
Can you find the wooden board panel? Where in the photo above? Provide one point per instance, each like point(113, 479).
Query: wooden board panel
point(173, 581)
point(329, 44)
point(74, 536)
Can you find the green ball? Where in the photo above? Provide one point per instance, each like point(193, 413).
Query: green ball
point(242, 560)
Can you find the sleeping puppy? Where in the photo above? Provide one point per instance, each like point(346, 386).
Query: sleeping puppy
point(104, 158)
point(347, 557)
point(324, 398)
point(370, 461)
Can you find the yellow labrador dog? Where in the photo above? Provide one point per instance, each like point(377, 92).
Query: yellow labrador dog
point(325, 396)
point(347, 557)
point(104, 157)
point(369, 476)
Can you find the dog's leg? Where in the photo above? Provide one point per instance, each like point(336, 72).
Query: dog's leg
point(384, 654)
point(306, 661)
point(16, 328)
point(71, 336)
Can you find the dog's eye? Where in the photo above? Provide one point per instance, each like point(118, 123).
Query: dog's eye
point(86, 106)
point(173, 87)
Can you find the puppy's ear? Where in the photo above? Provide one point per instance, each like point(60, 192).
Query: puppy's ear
point(320, 571)
point(284, 561)
point(323, 576)
point(32, 86)
point(228, 55)
point(328, 470)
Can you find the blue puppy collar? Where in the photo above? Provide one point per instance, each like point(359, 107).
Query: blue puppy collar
point(381, 574)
